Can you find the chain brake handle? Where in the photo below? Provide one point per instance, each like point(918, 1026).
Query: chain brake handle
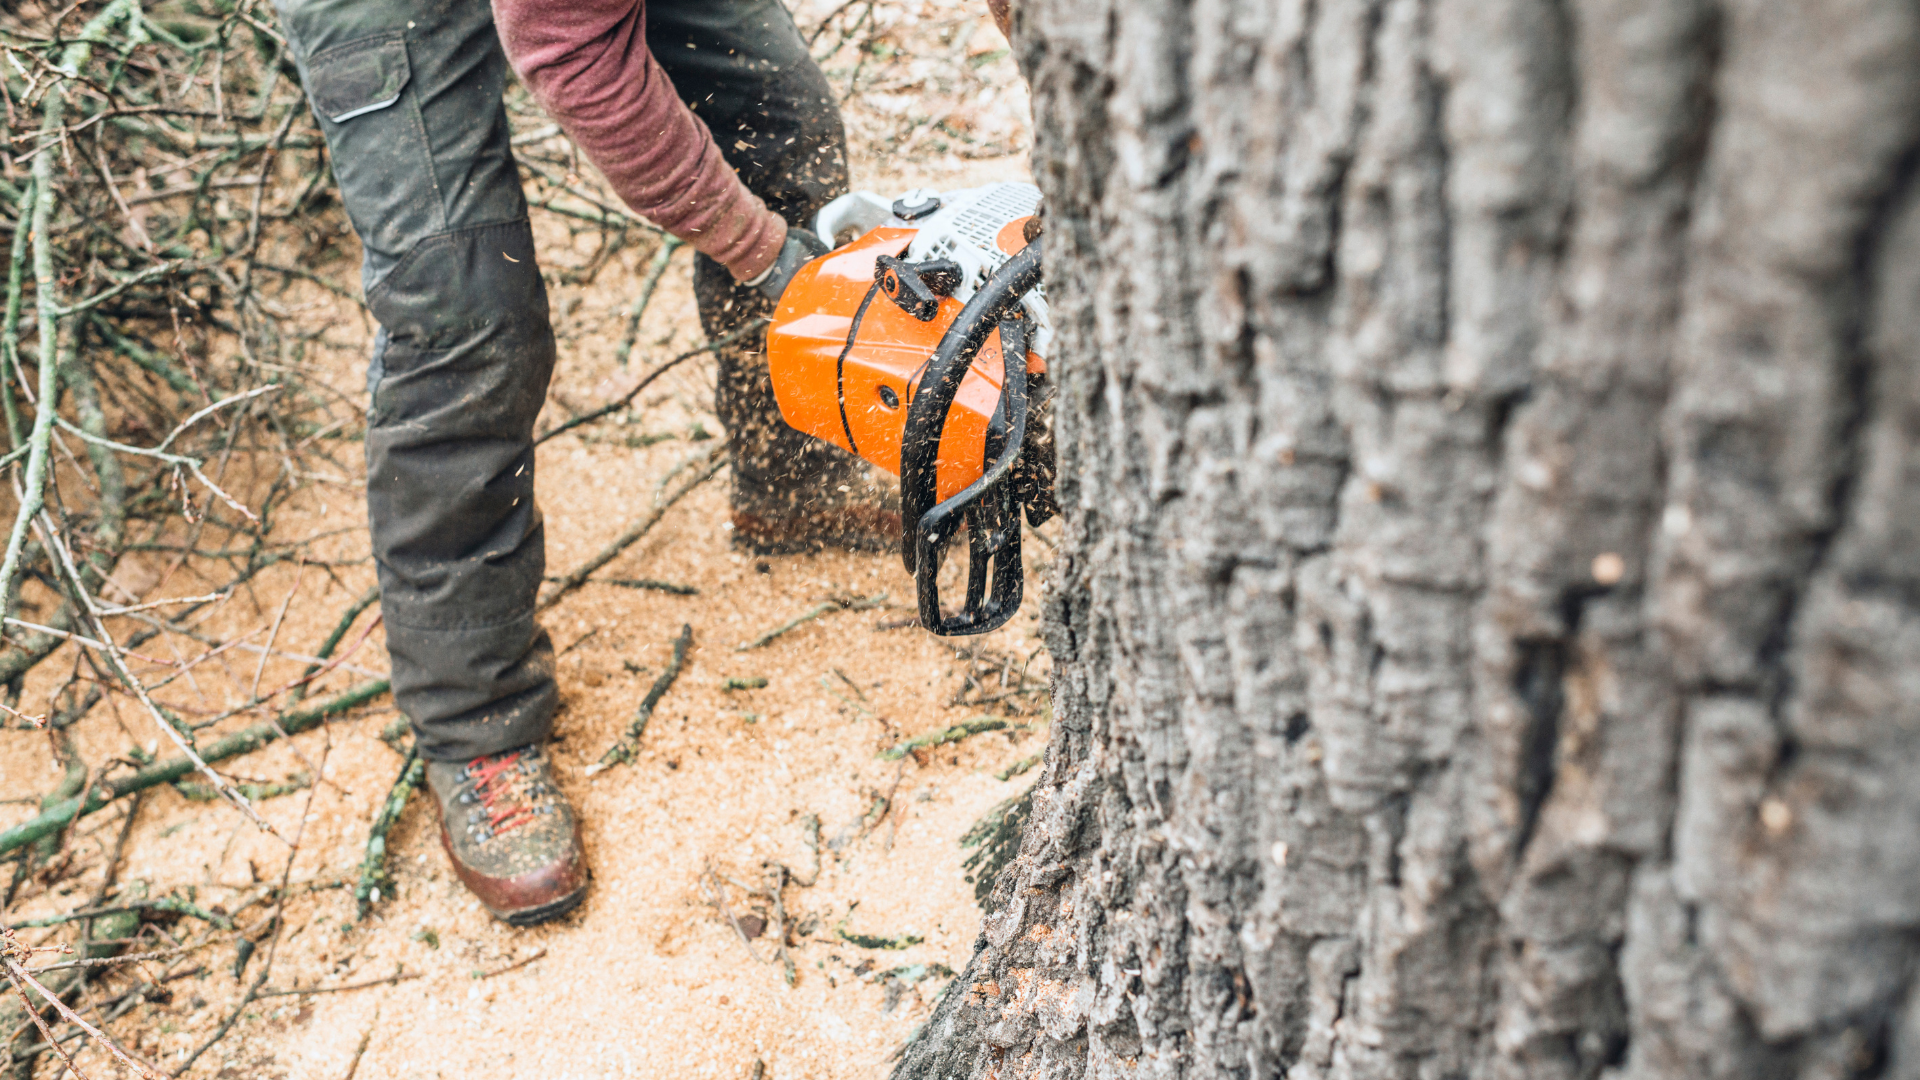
point(988, 507)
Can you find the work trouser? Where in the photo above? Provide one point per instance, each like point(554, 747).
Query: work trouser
point(408, 93)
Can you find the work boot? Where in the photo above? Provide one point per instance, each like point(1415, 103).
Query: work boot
point(511, 834)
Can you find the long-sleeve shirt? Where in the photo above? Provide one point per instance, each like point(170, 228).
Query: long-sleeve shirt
point(587, 63)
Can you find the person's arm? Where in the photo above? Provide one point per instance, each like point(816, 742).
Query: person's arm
point(587, 63)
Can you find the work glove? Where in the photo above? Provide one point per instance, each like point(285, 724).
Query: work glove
point(801, 248)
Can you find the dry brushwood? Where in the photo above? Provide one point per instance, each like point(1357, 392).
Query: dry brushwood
point(11, 953)
point(167, 771)
point(99, 943)
point(995, 678)
point(159, 174)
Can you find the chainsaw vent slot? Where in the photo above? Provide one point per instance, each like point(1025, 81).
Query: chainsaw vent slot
point(888, 398)
point(980, 223)
point(977, 224)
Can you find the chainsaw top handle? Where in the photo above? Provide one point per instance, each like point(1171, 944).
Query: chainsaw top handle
point(988, 506)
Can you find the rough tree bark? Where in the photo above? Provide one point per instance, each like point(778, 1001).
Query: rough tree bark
point(1487, 633)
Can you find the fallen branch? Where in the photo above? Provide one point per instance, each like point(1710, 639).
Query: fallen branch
point(640, 583)
point(655, 272)
point(99, 796)
point(255, 792)
point(871, 941)
point(1019, 767)
point(164, 904)
point(649, 583)
point(816, 612)
point(47, 310)
point(623, 751)
point(515, 966)
point(373, 866)
point(396, 977)
point(124, 958)
point(944, 736)
point(569, 582)
point(620, 402)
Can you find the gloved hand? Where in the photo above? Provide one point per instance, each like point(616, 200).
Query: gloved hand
point(801, 247)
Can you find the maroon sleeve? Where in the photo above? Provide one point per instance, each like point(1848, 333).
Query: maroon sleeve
point(587, 63)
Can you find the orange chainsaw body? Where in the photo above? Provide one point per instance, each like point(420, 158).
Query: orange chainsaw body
point(855, 394)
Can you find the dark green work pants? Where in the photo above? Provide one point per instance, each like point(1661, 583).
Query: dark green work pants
point(408, 93)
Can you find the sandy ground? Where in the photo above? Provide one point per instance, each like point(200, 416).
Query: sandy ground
point(650, 978)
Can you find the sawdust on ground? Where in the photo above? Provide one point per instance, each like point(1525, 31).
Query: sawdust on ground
point(649, 978)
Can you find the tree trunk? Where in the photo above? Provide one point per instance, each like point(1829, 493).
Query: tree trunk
point(1487, 633)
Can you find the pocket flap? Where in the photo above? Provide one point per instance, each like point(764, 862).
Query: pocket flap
point(359, 77)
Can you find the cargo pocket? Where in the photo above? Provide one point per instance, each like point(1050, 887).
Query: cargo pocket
point(359, 90)
point(359, 77)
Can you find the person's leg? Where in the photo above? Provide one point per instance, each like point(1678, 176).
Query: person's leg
point(744, 69)
point(408, 94)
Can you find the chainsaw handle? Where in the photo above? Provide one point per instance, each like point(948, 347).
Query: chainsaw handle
point(992, 516)
point(927, 412)
point(987, 506)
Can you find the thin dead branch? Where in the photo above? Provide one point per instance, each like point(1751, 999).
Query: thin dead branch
point(715, 460)
point(623, 751)
point(828, 607)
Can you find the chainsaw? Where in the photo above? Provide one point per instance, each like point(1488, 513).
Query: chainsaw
point(895, 346)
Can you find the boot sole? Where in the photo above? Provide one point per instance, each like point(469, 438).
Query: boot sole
point(545, 912)
point(528, 916)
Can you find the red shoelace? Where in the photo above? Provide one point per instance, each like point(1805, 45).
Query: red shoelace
point(495, 785)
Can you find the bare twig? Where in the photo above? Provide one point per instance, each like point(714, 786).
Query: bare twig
point(621, 752)
point(396, 977)
point(620, 402)
point(810, 615)
point(573, 580)
point(712, 893)
point(516, 965)
point(655, 271)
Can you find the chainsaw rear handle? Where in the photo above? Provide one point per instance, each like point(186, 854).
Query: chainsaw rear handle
point(988, 506)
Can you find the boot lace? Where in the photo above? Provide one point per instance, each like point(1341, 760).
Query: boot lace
point(504, 804)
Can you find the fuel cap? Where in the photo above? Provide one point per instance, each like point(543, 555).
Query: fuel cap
point(916, 204)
